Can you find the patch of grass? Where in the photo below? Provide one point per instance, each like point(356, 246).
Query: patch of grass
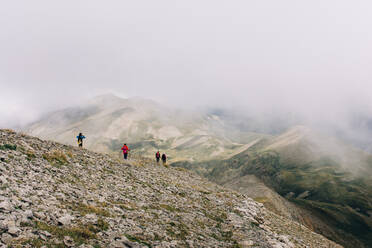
point(84, 209)
point(137, 240)
point(178, 230)
point(80, 234)
point(219, 217)
point(109, 171)
point(127, 206)
point(102, 225)
point(225, 237)
point(182, 194)
point(30, 155)
point(36, 243)
point(4, 186)
point(97, 246)
point(26, 224)
point(169, 208)
point(69, 153)
point(261, 199)
point(8, 147)
point(55, 157)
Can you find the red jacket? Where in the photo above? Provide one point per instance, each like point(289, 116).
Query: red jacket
point(125, 149)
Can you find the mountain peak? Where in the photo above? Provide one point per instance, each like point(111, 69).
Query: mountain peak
point(108, 98)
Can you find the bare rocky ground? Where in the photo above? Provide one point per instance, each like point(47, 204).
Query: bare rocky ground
point(52, 195)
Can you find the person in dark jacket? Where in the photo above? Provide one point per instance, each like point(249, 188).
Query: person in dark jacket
point(80, 138)
point(164, 159)
point(157, 156)
point(125, 150)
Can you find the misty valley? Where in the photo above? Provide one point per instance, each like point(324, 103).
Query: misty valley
point(318, 180)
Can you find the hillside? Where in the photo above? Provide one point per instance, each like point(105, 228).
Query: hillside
point(327, 181)
point(60, 196)
point(109, 121)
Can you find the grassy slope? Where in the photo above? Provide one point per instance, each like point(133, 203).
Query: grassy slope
point(336, 196)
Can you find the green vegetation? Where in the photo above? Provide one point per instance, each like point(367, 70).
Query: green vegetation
point(56, 158)
point(81, 234)
point(178, 230)
point(137, 240)
point(8, 147)
point(169, 208)
point(30, 155)
point(86, 209)
point(343, 201)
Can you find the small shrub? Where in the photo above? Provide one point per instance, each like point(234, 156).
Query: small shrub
point(69, 153)
point(30, 155)
point(56, 157)
point(8, 147)
point(102, 225)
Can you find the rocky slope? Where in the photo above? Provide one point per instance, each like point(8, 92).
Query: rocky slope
point(55, 195)
point(109, 121)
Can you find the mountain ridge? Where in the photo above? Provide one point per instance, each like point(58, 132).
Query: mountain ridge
point(109, 121)
point(325, 179)
point(62, 196)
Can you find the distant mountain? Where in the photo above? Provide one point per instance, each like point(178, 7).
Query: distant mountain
point(326, 180)
point(316, 179)
point(109, 121)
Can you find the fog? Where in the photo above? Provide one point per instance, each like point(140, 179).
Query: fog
point(308, 59)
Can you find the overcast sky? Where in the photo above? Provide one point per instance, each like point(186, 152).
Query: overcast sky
point(313, 57)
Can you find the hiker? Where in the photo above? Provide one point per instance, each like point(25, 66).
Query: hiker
point(164, 159)
point(80, 138)
point(157, 156)
point(125, 150)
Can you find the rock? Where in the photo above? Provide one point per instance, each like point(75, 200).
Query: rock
point(285, 239)
point(6, 238)
point(6, 206)
point(68, 241)
point(113, 205)
point(289, 195)
point(303, 195)
point(28, 214)
point(91, 217)
point(86, 246)
point(65, 220)
point(46, 234)
point(40, 215)
point(14, 231)
point(3, 226)
point(3, 180)
point(117, 244)
point(123, 242)
point(246, 243)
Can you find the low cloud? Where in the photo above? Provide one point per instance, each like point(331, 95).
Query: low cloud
point(308, 60)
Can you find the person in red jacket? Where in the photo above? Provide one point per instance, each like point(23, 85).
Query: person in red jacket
point(157, 156)
point(125, 150)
